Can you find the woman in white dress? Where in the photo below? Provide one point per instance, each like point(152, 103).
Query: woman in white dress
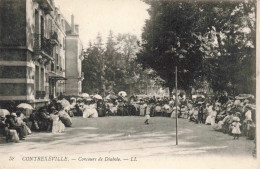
point(85, 110)
point(89, 110)
point(57, 125)
point(208, 119)
point(20, 117)
point(93, 109)
point(65, 118)
point(213, 116)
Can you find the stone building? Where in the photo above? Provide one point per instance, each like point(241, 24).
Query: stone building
point(32, 51)
point(74, 57)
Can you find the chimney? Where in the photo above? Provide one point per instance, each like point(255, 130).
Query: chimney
point(72, 23)
point(77, 29)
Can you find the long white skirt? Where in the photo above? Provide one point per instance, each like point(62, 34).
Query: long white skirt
point(212, 122)
point(94, 113)
point(90, 113)
point(208, 120)
point(58, 127)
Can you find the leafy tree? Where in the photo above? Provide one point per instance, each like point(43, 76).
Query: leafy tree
point(173, 31)
point(217, 40)
point(230, 63)
point(92, 67)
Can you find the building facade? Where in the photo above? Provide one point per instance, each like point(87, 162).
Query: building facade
point(32, 51)
point(74, 57)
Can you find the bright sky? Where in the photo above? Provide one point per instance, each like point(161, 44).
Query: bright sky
point(93, 16)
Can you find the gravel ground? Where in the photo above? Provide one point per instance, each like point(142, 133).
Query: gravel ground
point(127, 137)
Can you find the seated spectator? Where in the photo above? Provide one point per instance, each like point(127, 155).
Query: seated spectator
point(10, 134)
point(34, 118)
point(78, 110)
point(12, 124)
point(4, 129)
point(45, 121)
point(20, 121)
point(64, 117)
point(57, 125)
point(101, 108)
point(227, 121)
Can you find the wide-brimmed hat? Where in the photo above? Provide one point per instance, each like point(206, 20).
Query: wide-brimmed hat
point(13, 114)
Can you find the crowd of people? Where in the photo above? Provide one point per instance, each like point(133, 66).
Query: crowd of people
point(229, 115)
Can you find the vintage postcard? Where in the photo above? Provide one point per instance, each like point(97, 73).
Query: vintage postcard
point(91, 84)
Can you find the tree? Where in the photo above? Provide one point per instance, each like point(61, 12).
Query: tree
point(92, 67)
point(230, 63)
point(173, 31)
point(216, 38)
point(112, 67)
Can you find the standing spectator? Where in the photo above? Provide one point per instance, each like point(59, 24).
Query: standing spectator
point(213, 116)
point(195, 115)
point(200, 114)
point(147, 114)
point(142, 108)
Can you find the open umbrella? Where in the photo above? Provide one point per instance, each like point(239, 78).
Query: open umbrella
point(4, 112)
point(98, 97)
point(25, 106)
point(122, 94)
point(84, 95)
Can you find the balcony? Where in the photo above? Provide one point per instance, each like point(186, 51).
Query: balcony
point(46, 5)
point(42, 46)
point(54, 38)
point(40, 94)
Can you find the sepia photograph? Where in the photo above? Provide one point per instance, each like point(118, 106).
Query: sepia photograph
point(158, 84)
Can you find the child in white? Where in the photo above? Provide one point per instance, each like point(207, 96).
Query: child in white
point(147, 114)
point(236, 127)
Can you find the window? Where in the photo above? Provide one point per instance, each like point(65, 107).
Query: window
point(36, 79)
point(42, 79)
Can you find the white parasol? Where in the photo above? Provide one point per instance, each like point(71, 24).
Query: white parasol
point(98, 97)
point(84, 95)
point(25, 106)
point(4, 112)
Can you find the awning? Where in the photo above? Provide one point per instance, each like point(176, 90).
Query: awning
point(55, 76)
